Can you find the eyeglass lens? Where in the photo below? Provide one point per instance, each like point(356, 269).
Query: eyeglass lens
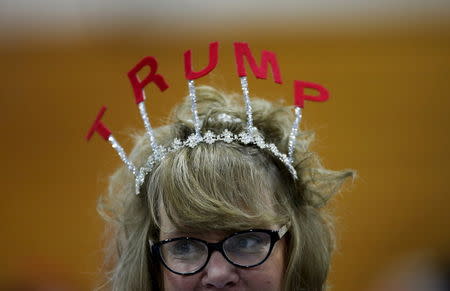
point(189, 255)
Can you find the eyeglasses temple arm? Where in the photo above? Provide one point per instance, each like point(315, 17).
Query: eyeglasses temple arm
point(282, 231)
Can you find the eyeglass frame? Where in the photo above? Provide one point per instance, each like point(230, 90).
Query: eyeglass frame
point(275, 236)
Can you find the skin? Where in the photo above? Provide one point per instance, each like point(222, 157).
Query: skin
point(221, 275)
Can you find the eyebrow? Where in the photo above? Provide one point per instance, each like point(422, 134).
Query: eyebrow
point(179, 233)
point(176, 233)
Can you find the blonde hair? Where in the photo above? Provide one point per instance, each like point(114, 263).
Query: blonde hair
point(223, 187)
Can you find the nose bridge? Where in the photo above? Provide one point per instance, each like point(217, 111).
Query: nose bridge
point(219, 272)
point(218, 246)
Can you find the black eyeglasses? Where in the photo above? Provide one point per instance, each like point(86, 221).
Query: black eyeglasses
point(245, 249)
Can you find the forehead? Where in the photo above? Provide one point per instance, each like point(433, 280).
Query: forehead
point(169, 230)
point(216, 188)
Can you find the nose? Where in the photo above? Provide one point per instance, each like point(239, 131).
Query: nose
point(219, 273)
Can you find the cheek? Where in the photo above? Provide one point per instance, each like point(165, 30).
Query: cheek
point(174, 282)
point(270, 275)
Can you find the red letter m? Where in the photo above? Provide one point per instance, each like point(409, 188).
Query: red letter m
point(241, 49)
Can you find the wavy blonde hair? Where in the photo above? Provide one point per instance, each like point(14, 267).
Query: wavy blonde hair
point(220, 187)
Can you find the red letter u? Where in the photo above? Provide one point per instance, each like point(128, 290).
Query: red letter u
point(213, 57)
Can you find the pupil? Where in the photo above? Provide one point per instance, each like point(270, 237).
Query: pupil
point(244, 243)
point(184, 248)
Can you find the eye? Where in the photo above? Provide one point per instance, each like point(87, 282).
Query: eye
point(184, 248)
point(247, 243)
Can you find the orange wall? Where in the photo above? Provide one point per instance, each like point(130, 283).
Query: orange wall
point(388, 118)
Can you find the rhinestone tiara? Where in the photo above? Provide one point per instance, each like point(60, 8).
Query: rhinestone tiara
point(249, 136)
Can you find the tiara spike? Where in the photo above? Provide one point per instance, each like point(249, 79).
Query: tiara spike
point(248, 104)
point(115, 144)
point(148, 127)
point(250, 135)
point(104, 132)
point(294, 132)
point(193, 96)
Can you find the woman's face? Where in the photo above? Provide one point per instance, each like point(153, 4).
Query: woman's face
point(219, 274)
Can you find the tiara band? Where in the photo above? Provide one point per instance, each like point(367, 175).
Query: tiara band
point(250, 135)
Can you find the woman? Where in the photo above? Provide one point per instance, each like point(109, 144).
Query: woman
point(225, 215)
